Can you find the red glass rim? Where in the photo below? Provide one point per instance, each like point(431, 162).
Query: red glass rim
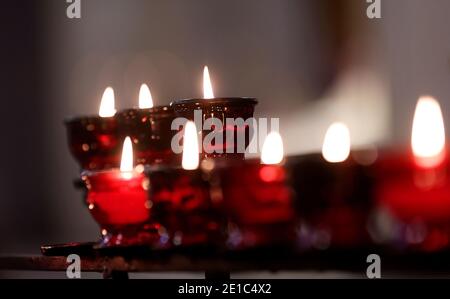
point(156, 109)
point(88, 118)
point(149, 169)
point(216, 101)
point(109, 172)
point(224, 162)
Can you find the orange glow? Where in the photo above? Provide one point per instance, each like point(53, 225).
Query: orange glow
point(271, 173)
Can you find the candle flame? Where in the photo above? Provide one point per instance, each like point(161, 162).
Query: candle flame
point(190, 159)
point(336, 144)
point(207, 86)
point(428, 133)
point(107, 108)
point(126, 164)
point(145, 97)
point(272, 151)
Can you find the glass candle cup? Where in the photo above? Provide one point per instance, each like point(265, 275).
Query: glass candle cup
point(333, 201)
point(151, 134)
point(221, 109)
point(257, 201)
point(415, 202)
point(94, 142)
point(183, 207)
point(119, 203)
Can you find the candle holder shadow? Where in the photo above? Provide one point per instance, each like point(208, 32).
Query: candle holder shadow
point(221, 109)
point(94, 141)
point(151, 134)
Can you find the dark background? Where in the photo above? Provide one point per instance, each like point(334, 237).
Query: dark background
point(309, 62)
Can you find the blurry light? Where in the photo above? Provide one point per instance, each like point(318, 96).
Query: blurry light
point(272, 150)
point(428, 133)
point(270, 174)
point(336, 144)
point(366, 157)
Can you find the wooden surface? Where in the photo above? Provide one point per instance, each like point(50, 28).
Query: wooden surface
point(351, 261)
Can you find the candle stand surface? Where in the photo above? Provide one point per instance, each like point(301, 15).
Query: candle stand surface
point(118, 262)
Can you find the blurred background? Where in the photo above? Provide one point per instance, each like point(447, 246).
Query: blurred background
point(310, 63)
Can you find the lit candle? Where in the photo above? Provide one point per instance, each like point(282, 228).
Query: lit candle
point(416, 191)
point(94, 140)
point(219, 108)
point(257, 199)
point(118, 201)
point(182, 202)
point(150, 130)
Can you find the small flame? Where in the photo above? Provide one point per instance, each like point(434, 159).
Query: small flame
point(336, 144)
point(126, 164)
point(272, 151)
point(428, 133)
point(207, 86)
point(107, 108)
point(145, 97)
point(190, 147)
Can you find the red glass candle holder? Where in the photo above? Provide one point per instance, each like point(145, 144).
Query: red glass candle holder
point(120, 204)
point(417, 201)
point(221, 108)
point(258, 204)
point(333, 202)
point(94, 142)
point(151, 133)
point(183, 207)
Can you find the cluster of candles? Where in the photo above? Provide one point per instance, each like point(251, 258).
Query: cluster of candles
point(141, 193)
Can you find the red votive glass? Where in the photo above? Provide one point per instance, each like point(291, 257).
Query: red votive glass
point(151, 134)
point(221, 109)
point(417, 201)
point(333, 201)
point(258, 204)
point(184, 208)
point(120, 204)
point(94, 141)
